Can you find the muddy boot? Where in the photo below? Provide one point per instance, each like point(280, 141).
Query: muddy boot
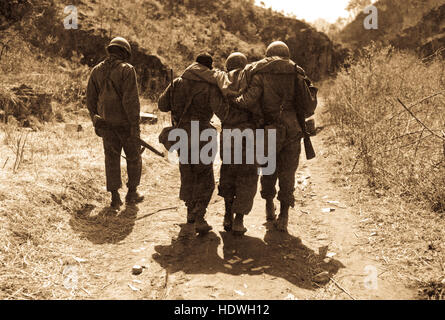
point(190, 214)
point(283, 218)
point(270, 210)
point(228, 216)
point(238, 228)
point(201, 225)
point(116, 201)
point(133, 196)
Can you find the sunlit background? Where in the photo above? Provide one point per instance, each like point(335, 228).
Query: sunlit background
point(310, 10)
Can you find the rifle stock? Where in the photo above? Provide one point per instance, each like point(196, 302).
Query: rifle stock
point(308, 147)
point(149, 147)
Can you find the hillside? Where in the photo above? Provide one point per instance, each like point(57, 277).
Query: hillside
point(412, 24)
point(164, 34)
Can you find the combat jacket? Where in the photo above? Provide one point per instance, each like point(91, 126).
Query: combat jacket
point(112, 93)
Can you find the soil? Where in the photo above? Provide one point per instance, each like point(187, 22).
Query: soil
point(324, 255)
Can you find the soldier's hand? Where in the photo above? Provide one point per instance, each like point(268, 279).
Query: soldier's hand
point(99, 122)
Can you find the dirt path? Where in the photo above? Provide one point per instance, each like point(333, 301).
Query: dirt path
point(265, 264)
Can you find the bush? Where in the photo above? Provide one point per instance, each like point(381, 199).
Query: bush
point(395, 150)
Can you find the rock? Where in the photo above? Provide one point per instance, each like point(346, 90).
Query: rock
point(321, 278)
point(32, 102)
point(136, 270)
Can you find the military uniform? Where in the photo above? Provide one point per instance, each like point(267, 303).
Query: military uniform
point(197, 180)
point(112, 97)
point(275, 88)
point(238, 182)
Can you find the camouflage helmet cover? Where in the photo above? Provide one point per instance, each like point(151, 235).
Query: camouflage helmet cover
point(121, 43)
point(236, 60)
point(279, 49)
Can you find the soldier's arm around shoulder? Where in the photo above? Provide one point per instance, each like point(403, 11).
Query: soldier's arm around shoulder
point(218, 103)
point(166, 98)
point(92, 94)
point(253, 93)
point(130, 95)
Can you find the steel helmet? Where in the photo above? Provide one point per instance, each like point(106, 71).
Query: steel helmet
point(121, 43)
point(279, 49)
point(236, 60)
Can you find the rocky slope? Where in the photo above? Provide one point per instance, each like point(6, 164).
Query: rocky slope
point(169, 33)
point(411, 24)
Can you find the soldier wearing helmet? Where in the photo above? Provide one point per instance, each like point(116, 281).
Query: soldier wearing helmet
point(113, 103)
point(238, 182)
point(275, 86)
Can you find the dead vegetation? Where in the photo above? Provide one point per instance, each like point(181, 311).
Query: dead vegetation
point(388, 112)
point(390, 107)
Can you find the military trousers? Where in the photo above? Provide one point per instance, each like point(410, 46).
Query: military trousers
point(288, 149)
point(114, 140)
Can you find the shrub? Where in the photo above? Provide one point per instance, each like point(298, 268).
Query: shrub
point(395, 150)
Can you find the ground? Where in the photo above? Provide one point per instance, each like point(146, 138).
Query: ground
point(264, 264)
point(90, 251)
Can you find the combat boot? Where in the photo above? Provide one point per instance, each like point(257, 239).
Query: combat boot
point(201, 225)
point(283, 218)
point(238, 225)
point(116, 201)
point(228, 216)
point(270, 210)
point(133, 196)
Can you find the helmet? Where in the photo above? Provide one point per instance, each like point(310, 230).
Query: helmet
point(236, 60)
point(120, 42)
point(278, 48)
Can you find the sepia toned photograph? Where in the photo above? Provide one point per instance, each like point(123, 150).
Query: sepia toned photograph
point(222, 155)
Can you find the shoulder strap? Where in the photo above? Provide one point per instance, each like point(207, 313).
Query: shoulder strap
point(107, 78)
point(186, 108)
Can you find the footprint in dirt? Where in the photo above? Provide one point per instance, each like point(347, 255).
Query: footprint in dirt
point(108, 226)
point(279, 255)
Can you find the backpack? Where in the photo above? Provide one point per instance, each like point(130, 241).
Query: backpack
point(307, 97)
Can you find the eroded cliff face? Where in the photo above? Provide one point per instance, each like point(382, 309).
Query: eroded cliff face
point(406, 24)
point(153, 74)
point(427, 37)
point(169, 36)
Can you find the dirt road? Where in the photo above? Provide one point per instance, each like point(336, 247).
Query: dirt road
point(264, 264)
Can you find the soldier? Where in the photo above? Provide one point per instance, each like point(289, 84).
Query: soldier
point(198, 99)
point(113, 103)
point(238, 182)
point(276, 88)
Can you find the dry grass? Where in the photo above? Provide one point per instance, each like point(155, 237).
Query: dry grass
point(44, 222)
point(394, 164)
point(392, 148)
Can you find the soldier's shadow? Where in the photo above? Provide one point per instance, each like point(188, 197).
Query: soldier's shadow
point(108, 226)
point(280, 255)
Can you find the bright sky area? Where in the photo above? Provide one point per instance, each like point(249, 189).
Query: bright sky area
point(310, 10)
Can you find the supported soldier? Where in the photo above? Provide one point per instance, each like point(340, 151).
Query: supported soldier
point(238, 182)
point(113, 103)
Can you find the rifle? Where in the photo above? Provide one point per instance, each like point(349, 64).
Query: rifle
point(99, 123)
point(149, 147)
point(308, 147)
point(172, 92)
